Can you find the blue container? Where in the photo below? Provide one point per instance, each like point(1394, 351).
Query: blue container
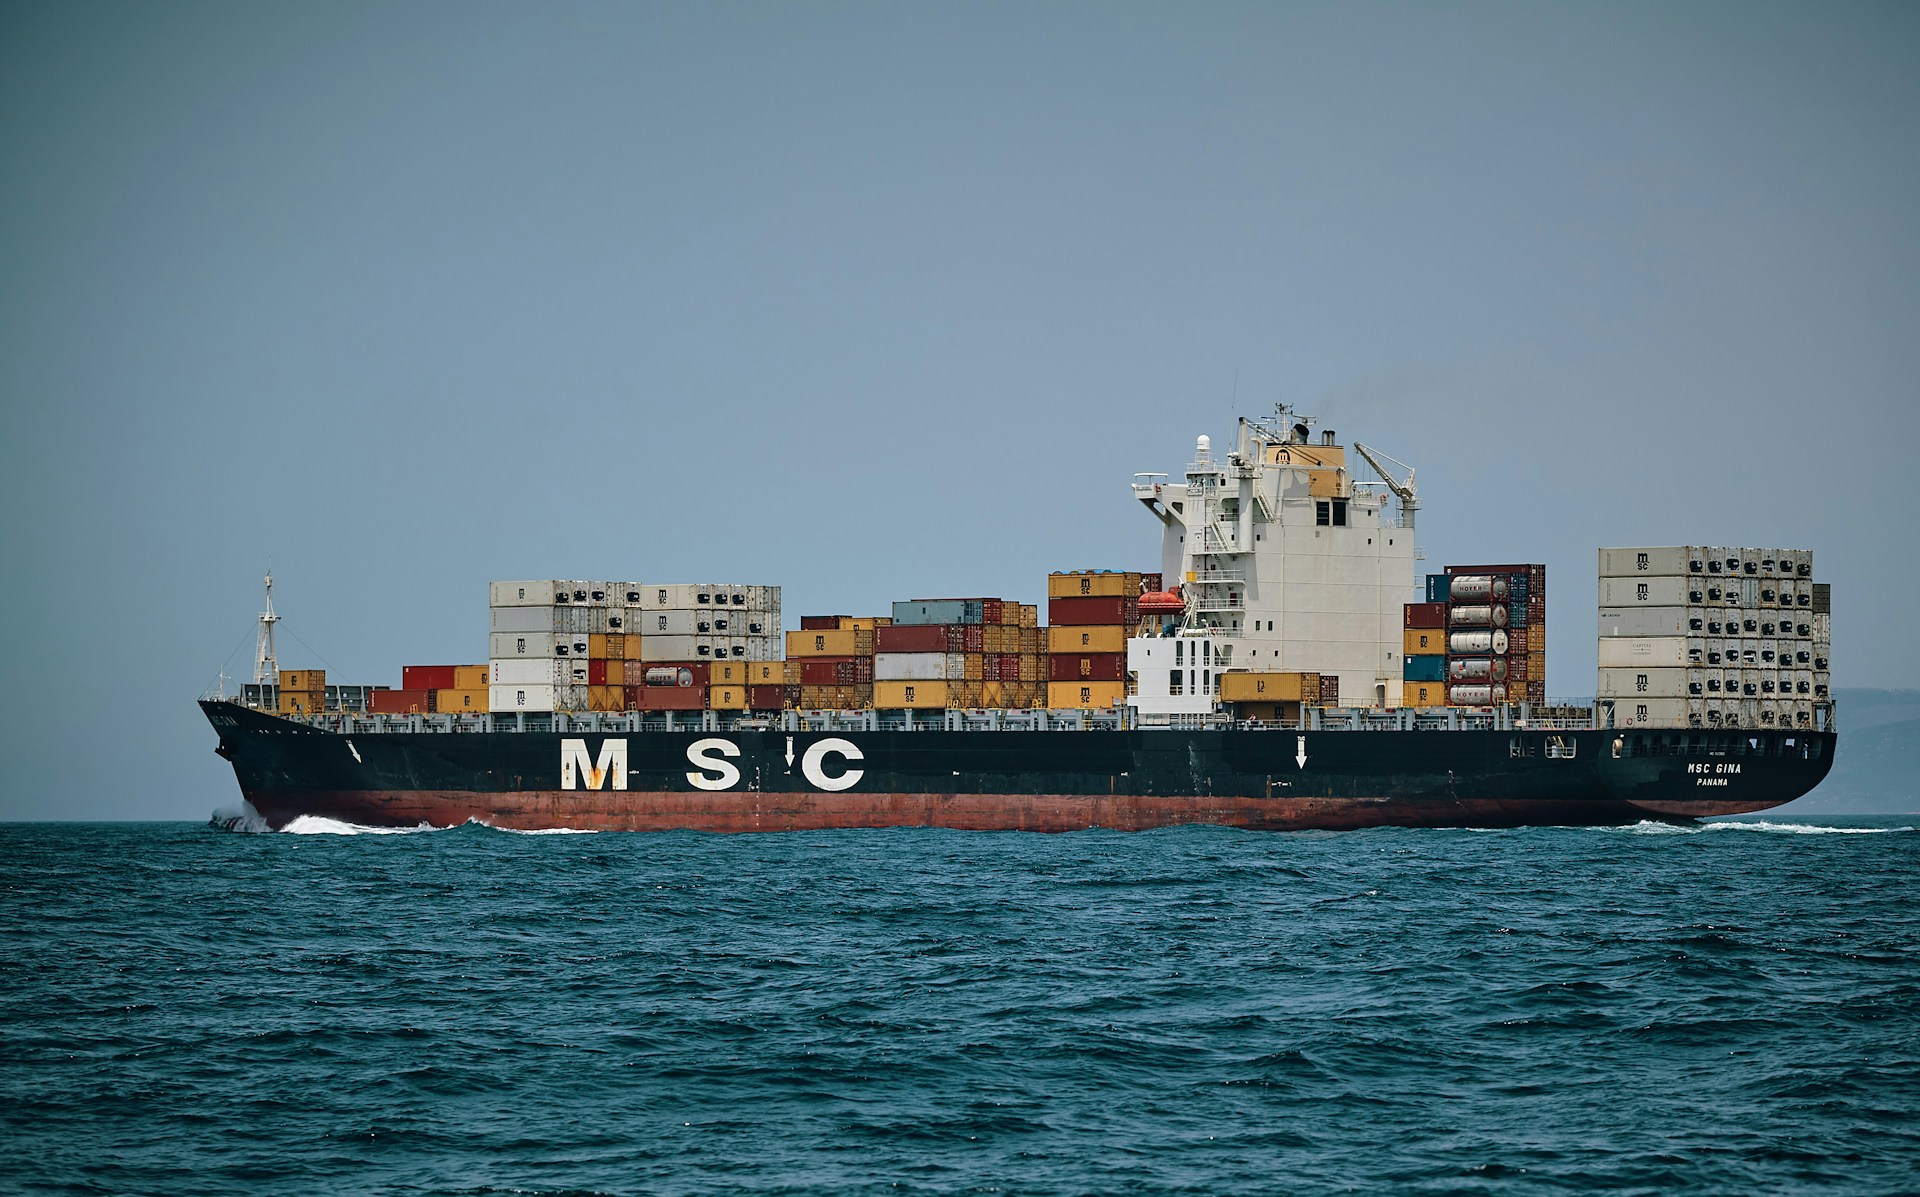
point(1437, 588)
point(1425, 669)
point(941, 611)
point(1517, 615)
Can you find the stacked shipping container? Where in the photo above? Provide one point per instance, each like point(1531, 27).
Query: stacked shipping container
point(579, 645)
point(959, 653)
point(1090, 614)
point(830, 662)
point(1496, 634)
point(301, 692)
point(1701, 636)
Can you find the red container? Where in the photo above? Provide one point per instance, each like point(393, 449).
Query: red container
point(1082, 667)
point(597, 673)
point(402, 702)
point(820, 623)
point(1093, 610)
point(923, 638)
point(826, 671)
point(766, 698)
point(667, 698)
point(1426, 615)
point(426, 677)
point(1329, 689)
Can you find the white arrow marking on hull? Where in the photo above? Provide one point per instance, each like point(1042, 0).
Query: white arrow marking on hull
point(355, 752)
point(1300, 756)
point(789, 752)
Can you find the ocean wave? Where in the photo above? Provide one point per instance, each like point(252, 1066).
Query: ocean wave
point(319, 825)
point(1652, 827)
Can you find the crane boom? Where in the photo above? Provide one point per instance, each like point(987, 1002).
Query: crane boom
point(1404, 491)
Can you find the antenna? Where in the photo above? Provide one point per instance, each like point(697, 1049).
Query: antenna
point(266, 670)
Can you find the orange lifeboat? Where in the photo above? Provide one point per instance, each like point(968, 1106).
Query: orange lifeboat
point(1162, 602)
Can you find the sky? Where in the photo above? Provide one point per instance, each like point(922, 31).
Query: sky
point(876, 301)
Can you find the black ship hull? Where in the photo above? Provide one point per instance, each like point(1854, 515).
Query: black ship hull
point(1011, 780)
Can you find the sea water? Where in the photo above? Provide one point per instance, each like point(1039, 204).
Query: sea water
point(1730, 1008)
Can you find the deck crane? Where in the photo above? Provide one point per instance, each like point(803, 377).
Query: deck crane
point(1404, 491)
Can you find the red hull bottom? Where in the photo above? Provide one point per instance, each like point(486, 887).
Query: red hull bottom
point(544, 810)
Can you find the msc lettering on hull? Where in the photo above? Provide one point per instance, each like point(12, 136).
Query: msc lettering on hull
point(611, 764)
point(825, 764)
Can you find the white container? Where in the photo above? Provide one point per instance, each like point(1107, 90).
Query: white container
point(534, 619)
point(664, 621)
point(1650, 682)
point(1645, 652)
point(523, 594)
point(1472, 643)
point(1653, 591)
point(507, 699)
point(505, 645)
point(674, 648)
point(1672, 561)
point(530, 671)
point(1652, 621)
point(919, 667)
point(1660, 712)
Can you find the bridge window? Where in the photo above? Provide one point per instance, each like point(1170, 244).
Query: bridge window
point(1323, 513)
point(1339, 513)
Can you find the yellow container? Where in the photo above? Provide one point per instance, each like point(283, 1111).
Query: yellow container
point(1269, 687)
point(1085, 696)
point(893, 695)
point(1424, 694)
point(300, 702)
point(791, 673)
point(605, 698)
point(307, 680)
point(727, 698)
point(767, 673)
point(464, 700)
point(728, 673)
point(993, 694)
point(1425, 642)
point(1081, 641)
point(976, 667)
point(470, 677)
point(607, 646)
point(1089, 584)
point(1029, 615)
point(843, 642)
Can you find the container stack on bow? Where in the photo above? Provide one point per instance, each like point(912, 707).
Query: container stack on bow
point(1700, 636)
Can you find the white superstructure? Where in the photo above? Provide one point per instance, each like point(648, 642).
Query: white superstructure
point(1287, 564)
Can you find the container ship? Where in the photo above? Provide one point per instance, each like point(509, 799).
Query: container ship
point(1286, 668)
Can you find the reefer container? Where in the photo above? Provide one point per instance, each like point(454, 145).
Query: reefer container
point(1670, 561)
point(1653, 592)
point(1645, 651)
point(1652, 621)
point(529, 671)
point(1652, 682)
point(543, 593)
point(504, 645)
point(536, 698)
